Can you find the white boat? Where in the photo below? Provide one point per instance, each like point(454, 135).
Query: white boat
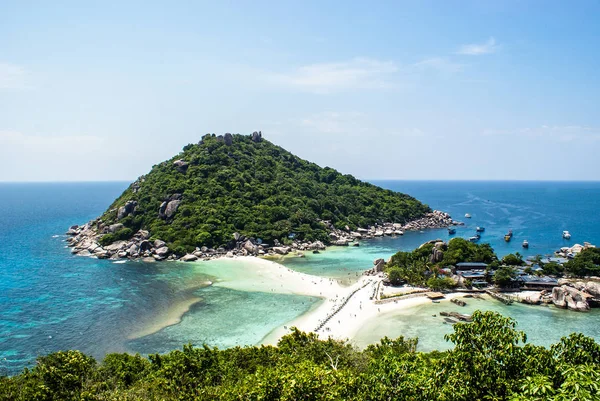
point(525, 244)
point(468, 216)
point(566, 235)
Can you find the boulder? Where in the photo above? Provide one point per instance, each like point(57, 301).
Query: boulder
point(256, 136)
point(281, 250)
point(250, 247)
point(102, 255)
point(189, 258)
point(571, 298)
point(436, 255)
point(534, 299)
point(72, 231)
point(133, 250)
point(378, 233)
point(379, 265)
point(388, 232)
point(181, 165)
point(172, 207)
point(318, 245)
point(341, 242)
point(593, 288)
point(162, 251)
point(126, 210)
point(159, 243)
point(115, 246)
point(229, 254)
point(113, 228)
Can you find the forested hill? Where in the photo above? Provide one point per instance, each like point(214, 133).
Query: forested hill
point(245, 184)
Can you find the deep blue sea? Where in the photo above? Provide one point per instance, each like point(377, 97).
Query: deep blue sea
point(51, 300)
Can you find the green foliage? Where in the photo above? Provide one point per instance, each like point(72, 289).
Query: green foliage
point(552, 269)
point(123, 234)
point(513, 260)
point(504, 276)
point(257, 189)
point(585, 263)
point(396, 275)
point(460, 250)
point(440, 283)
point(488, 362)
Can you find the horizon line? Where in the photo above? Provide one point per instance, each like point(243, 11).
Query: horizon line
point(361, 179)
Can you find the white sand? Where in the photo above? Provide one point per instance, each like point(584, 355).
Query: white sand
point(170, 317)
point(352, 305)
point(256, 274)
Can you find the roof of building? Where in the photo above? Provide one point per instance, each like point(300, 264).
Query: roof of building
point(471, 264)
point(544, 280)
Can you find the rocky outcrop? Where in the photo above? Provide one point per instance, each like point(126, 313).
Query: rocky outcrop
point(571, 298)
point(256, 136)
point(189, 258)
point(181, 165)
point(85, 239)
point(169, 207)
point(126, 210)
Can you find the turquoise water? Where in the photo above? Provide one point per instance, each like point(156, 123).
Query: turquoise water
point(544, 325)
point(537, 212)
point(51, 300)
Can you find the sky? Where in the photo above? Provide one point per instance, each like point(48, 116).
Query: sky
point(419, 90)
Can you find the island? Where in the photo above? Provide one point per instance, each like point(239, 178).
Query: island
point(241, 195)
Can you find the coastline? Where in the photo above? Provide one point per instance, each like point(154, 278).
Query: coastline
point(172, 316)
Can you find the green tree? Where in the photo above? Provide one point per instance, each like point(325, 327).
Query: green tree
point(504, 276)
point(513, 260)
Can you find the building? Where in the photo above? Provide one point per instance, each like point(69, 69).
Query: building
point(471, 266)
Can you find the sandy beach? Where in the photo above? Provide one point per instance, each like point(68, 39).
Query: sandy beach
point(340, 315)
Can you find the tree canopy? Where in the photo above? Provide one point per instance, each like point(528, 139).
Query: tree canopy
point(490, 360)
point(254, 188)
point(585, 263)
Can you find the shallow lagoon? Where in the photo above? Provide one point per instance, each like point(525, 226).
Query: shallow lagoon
point(544, 325)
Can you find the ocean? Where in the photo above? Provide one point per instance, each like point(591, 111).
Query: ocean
point(51, 300)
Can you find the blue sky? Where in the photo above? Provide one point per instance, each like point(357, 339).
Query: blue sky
point(389, 90)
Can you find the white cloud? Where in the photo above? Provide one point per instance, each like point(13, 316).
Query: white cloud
point(12, 76)
point(558, 133)
point(358, 73)
point(475, 49)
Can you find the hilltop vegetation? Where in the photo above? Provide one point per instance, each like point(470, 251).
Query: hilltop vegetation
point(247, 185)
point(489, 361)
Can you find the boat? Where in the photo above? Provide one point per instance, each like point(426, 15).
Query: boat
point(480, 229)
point(566, 235)
point(508, 236)
point(451, 230)
point(474, 239)
point(525, 244)
point(468, 216)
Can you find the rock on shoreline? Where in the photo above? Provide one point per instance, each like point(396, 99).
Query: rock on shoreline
point(85, 240)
